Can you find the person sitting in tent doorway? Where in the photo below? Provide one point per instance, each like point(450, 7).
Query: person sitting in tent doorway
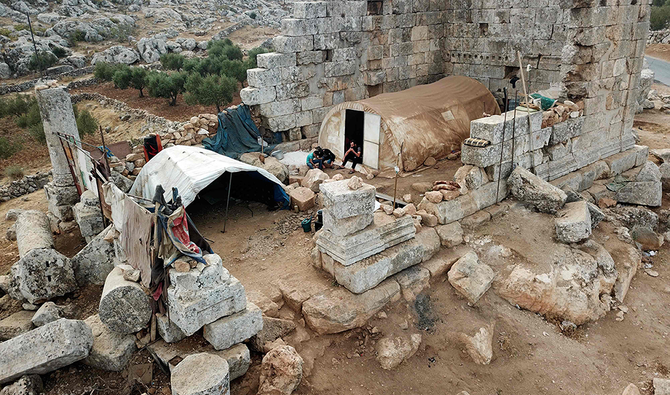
point(315, 159)
point(353, 154)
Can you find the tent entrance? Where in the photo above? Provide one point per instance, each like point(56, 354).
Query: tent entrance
point(363, 129)
point(354, 124)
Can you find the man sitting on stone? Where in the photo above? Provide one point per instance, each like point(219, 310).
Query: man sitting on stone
point(315, 159)
point(353, 154)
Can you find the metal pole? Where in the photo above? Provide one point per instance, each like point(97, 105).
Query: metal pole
point(516, 99)
point(230, 184)
point(502, 144)
point(397, 170)
point(69, 165)
point(32, 36)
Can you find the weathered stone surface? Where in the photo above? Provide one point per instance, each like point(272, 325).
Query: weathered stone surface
point(479, 346)
point(412, 282)
point(33, 231)
point(302, 197)
point(661, 386)
point(440, 264)
point(647, 238)
point(60, 343)
point(471, 277)
point(596, 215)
point(42, 274)
point(529, 188)
point(227, 331)
point(201, 374)
point(16, 324)
point(111, 350)
point(203, 295)
point(342, 202)
point(339, 310)
point(646, 193)
point(47, 313)
point(631, 389)
point(627, 262)
point(573, 223)
point(272, 329)
point(267, 306)
point(26, 385)
point(392, 351)
point(94, 262)
point(124, 307)
point(451, 234)
point(313, 179)
point(167, 330)
point(88, 216)
point(281, 371)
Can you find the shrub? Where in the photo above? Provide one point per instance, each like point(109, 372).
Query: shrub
point(75, 37)
point(660, 16)
point(224, 49)
point(105, 71)
point(20, 26)
point(8, 148)
point(252, 15)
point(5, 32)
point(235, 69)
point(138, 79)
point(121, 76)
point(213, 90)
point(164, 85)
point(86, 123)
point(172, 61)
point(31, 117)
point(59, 52)
point(15, 172)
point(42, 60)
point(16, 106)
point(37, 132)
point(253, 54)
point(121, 32)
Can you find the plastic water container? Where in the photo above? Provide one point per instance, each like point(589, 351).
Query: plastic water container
point(279, 154)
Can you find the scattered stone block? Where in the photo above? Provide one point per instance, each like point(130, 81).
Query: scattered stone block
point(201, 374)
point(342, 202)
point(440, 264)
point(479, 346)
point(60, 343)
point(661, 386)
point(169, 355)
point(631, 389)
point(47, 313)
point(434, 196)
point(26, 385)
point(427, 219)
point(391, 352)
point(167, 330)
point(267, 306)
point(294, 293)
point(645, 193)
point(124, 307)
point(302, 197)
point(596, 214)
point(313, 179)
point(471, 277)
point(475, 220)
point(233, 329)
point(272, 329)
point(647, 238)
point(574, 223)
point(111, 350)
point(94, 262)
point(281, 371)
point(16, 324)
point(529, 188)
point(451, 234)
point(42, 274)
point(412, 282)
point(621, 162)
point(338, 310)
point(88, 215)
point(33, 230)
point(203, 295)
point(346, 226)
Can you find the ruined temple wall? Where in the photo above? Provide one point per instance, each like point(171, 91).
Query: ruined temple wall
point(331, 52)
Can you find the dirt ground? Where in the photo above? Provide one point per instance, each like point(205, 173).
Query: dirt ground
point(659, 51)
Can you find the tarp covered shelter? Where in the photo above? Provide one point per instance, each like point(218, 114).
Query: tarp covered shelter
point(426, 121)
point(237, 134)
point(192, 169)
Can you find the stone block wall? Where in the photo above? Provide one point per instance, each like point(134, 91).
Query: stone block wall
point(332, 52)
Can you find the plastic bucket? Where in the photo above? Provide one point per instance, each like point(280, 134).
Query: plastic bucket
point(279, 154)
point(306, 225)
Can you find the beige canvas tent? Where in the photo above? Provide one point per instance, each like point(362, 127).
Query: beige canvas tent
point(426, 120)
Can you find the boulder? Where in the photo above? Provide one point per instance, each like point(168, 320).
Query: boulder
point(267, 306)
point(471, 277)
point(451, 234)
point(60, 343)
point(111, 350)
point(117, 54)
point(313, 179)
point(27, 385)
point(94, 262)
point(531, 189)
point(392, 351)
point(631, 389)
point(47, 313)
point(662, 153)
point(16, 324)
point(201, 374)
point(272, 329)
point(276, 168)
point(151, 49)
point(302, 197)
point(42, 274)
point(228, 331)
point(412, 282)
point(338, 310)
point(647, 238)
point(574, 222)
point(596, 215)
point(167, 330)
point(434, 196)
point(661, 386)
point(281, 371)
point(124, 307)
point(251, 158)
point(479, 346)
point(33, 230)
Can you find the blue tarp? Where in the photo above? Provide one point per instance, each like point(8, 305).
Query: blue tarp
point(236, 134)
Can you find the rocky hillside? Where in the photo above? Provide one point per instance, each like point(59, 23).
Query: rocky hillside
point(123, 31)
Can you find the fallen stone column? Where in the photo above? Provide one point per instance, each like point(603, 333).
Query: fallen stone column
point(42, 274)
point(45, 349)
point(124, 307)
point(33, 231)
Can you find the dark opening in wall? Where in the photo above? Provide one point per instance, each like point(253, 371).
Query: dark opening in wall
point(483, 29)
point(603, 3)
point(511, 71)
point(375, 7)
point(329, 55)
point(374, 90)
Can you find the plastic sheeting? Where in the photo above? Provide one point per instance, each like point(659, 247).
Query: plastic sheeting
point(192, 169)
point(237, 134)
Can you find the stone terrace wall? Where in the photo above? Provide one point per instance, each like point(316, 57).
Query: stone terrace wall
point(331, 52)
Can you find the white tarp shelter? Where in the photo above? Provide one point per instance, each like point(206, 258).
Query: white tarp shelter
point(190, 170)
